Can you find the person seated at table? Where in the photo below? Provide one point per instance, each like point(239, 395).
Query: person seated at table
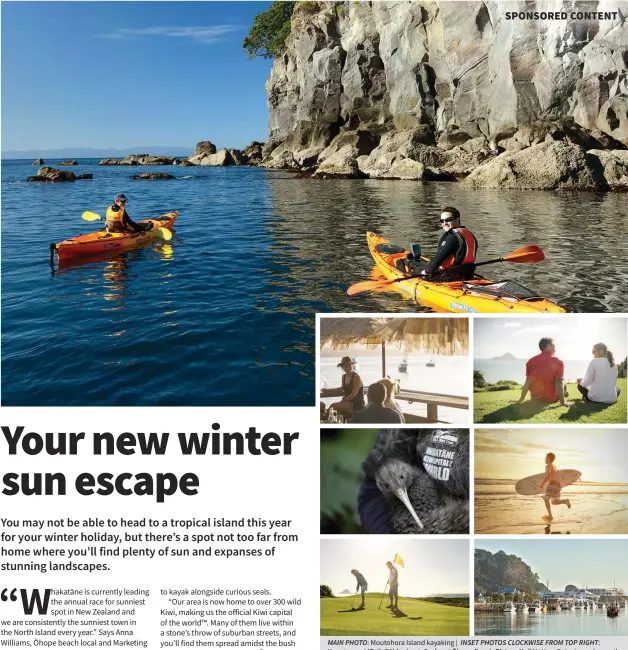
point(600, 380)
point(352, 389)
point(375, 412)
point(390, 402)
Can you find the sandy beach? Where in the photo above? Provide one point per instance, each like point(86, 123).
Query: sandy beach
point(596, 508)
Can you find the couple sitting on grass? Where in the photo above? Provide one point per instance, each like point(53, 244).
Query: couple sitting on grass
point(381, 407)
point(545, 377)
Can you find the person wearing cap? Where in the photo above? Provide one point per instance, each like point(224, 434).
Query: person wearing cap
point(375, 412)
point(457, 247)
point(352, 389)
point(361, 586)
point(393, 581)
point(117, 218)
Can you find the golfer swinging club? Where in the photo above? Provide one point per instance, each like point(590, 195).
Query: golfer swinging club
point(393, 580)
point(361, 586)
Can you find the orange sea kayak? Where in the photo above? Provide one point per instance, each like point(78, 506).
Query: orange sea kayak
point(472, 296)
point(103, 242)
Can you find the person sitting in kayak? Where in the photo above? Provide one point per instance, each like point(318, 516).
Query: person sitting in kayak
point(117, 219)
point(457, 247)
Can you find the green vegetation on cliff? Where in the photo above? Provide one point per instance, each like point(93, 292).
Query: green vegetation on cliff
point(497, 571)
point(267, 37)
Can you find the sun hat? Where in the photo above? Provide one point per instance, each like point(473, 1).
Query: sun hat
point(346, 360)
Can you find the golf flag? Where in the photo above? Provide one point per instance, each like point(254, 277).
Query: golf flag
point(399, 561)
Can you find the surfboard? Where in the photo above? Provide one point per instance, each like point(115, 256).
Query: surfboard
point(532, 484)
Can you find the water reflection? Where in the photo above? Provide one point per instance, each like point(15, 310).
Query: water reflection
point(586, 622)
point(317, 231)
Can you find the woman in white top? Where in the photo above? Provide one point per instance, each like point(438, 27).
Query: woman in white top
point(600, 381)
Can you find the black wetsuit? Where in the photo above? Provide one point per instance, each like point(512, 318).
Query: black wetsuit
point(449, 244)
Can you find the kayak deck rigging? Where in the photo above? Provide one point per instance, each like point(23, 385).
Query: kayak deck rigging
point(102, 242)
point(476, 295)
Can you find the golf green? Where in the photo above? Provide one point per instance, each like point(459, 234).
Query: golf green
point(413, 618)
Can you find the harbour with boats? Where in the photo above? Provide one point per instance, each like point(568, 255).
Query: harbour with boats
point(597, 611)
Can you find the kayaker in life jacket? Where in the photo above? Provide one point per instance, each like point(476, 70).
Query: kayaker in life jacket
point(457, 246)
point(117, 219)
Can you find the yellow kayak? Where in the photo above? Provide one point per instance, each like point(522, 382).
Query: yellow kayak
point(479, 295)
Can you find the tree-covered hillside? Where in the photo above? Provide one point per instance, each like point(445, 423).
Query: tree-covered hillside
point(496, 571)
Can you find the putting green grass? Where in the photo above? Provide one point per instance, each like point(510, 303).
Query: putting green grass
point(497, 406)
point(414, 618)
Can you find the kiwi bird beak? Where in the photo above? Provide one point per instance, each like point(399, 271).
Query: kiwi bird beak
point(403, 495)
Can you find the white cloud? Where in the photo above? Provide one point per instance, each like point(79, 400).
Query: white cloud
point(206, 35)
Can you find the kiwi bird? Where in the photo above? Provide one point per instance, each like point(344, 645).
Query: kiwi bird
point(419, 502)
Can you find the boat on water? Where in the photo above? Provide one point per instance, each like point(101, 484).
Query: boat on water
point(522, 608)
point(403, 366)
point(536, 606)
point(509, 608)
point(103, 243)
point(477, 295)
point(579, 605)
point(612, 611)
point(430, 364)
point(566, 607)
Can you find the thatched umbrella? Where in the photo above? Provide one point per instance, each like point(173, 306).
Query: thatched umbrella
point(427, 334)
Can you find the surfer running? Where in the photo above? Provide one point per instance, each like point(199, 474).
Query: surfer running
point(552, 491)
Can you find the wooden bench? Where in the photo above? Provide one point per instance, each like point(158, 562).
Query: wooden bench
point(433, 401)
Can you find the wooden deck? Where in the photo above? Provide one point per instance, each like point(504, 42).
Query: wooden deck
point(432, 400)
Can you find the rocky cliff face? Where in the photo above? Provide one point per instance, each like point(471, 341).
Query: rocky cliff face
point(462, 68)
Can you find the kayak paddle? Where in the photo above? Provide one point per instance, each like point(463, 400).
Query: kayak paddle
point(164, 233)
point(524, 255)
point(91, 216)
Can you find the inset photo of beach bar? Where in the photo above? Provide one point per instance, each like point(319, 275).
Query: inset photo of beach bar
point(401, 481)
point(394, 587)
point(559, 370)
point(573, 587)
point(394, 370)
point(551, 481)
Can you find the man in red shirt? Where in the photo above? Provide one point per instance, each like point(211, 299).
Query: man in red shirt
point(544, 376)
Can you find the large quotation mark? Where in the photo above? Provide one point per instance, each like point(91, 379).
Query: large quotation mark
point(4, 596)
point(29, 602)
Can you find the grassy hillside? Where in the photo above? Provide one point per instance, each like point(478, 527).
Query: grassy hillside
point(498, 407)
point(416, 617)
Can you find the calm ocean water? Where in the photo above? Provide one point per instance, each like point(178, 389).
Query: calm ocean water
point(449, 376)
point(223, 314)
point(566, 623)
point(515, 369)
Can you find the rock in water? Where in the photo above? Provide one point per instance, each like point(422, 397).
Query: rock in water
point(39, 161)
point(69, 162)
point(151, 176)
point(52, 175)
point(548, 166)
point(614, 167)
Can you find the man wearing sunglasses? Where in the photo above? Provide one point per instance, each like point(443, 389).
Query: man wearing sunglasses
point(117, 218)
point(457, 247)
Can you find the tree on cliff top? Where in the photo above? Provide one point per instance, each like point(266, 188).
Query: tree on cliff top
point(267, 37)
